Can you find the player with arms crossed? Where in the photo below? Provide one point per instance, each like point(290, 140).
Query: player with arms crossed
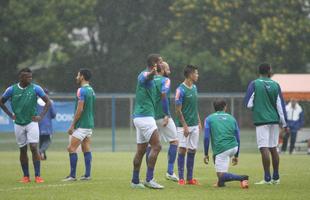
point(82, 125)
point(188, 123)
point(164, 122)
point(265, 99)
point(23, 97)
point(144, 121)
point(223, 130)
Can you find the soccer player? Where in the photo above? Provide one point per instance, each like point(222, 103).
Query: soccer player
point(164, 122)
point(223, 130)
point(144, 121)
point(82, 125)
point(188, 123)
point(45, 126)
point(23, 97)
point(265, 99)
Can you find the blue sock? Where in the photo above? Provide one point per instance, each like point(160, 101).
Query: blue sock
point(230, 177)
point(149, 174)
point(267, 177)
point(73, 162)
point(147, 153)
point(25, 169)
point(275, 175)
point(181, 165)
point(172, 154)
point(87, 159)
point(190, 165)
point(135, 177)
point(36, 166)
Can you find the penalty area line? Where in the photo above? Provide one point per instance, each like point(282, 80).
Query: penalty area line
point(44, 186)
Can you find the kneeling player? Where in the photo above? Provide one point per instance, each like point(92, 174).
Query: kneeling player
point(223, 130)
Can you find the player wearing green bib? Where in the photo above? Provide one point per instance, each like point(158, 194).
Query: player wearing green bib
point(265, 99)
point(82, 125)
point(223, 130)
point(23, 98)
point(188, 123)
point(164, 122)
point(146, 129)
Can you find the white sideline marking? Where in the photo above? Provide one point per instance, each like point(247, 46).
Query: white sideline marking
point(45, 186)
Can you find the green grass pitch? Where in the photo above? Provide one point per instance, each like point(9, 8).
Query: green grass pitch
point(112, 173)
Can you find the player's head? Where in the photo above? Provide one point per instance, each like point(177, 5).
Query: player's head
point(164, 69)
point(264, 69)
point(293, 102)
point(84, 75)
point(219, 105)
point(191, 72)
point(154, 60)
point(25, 76)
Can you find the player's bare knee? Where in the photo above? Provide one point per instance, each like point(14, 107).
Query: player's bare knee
point(33, 147)
point(157, 147)
point(192, 150)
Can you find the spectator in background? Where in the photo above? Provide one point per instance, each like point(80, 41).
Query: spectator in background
point(45, 126)
point(295, 120)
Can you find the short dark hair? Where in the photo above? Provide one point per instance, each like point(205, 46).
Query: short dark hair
point(264, 69)
point(86, 73)
point(25, 70)
point(189, 69)
point(152, 59)
point(219, 104)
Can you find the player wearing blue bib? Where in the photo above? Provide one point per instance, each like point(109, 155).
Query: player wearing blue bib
point(23, 98)
point(222, 130)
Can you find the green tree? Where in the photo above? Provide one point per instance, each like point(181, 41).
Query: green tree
point(27, 28)
point(241, 34)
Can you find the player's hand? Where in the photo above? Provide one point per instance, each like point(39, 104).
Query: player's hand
point(13, 117)
point(287, 130)
point(154, 70)
point(166, 121)
point(70, 130)
point(36, 118)
point(206, 159)
point(186, 131)
point(234, 161)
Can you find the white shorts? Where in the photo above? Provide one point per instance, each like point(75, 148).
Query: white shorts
point(27, 134)
point(222, 160)
point(267, 135)
point(145, 127)
point(82, 133)
point(168, 133)
point(191, 141)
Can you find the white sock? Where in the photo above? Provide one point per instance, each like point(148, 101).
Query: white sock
point(308, 150)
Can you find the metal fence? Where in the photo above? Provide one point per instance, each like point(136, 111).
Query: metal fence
point(117, 109)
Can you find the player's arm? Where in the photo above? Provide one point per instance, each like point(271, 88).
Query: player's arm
point(249, 97)
point(146, 76)
point(206, 141)
point(79, 109)
point(39, 92)
point(281, 109)
point(53, 110)
point(6, 95)
point(164, 99)
point(178, 109)
point(237, 136)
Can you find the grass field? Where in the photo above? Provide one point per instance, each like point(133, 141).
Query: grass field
point(112, 174)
